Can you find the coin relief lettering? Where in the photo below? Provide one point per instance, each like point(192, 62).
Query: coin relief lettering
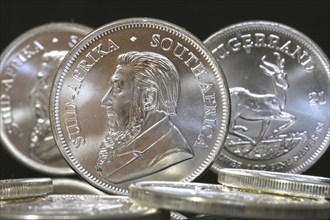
point(247, 41)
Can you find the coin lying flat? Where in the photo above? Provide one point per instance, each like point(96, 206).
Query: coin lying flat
point(73, 186)
point(217, 200)
point(139, 99)
point(279, 87)
point(275, 182)
point(80, 207)
point(27, 69)
point(24, 188)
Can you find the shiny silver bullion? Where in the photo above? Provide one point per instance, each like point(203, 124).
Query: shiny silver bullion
point(80, 207)
point(275, 182)
point(279, 87)
point(73, 186)
point(139, 99)
point(25, 188)
point(215, 199)
point(27, 69)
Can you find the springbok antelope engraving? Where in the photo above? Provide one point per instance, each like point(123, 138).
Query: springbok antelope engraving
point(262, 107)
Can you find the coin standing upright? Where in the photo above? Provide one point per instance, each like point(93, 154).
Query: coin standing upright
point(279, 87)
point(27, 69)
point(139, 99)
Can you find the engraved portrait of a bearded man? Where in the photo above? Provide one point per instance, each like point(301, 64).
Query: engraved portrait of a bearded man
point(141, 139)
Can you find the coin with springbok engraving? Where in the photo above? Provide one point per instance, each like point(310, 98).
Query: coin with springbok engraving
point(139, 99)
point(279, 87)
point(27, 69)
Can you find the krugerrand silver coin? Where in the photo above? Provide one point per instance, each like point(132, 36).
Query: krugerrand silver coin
point(25, 188)
point(275, 182)
point(27, 69)
point(279, 87)
point(215, 199)
point(77, 207)
point(139, 99)
point(73, 186)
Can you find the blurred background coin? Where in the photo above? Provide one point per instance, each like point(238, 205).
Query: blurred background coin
point(275, 182)
point(279, 87)
point(80, 207)
point(73, 186)
point(25, 188)
point(215, 199)
point(139, 99)
point(27, 70)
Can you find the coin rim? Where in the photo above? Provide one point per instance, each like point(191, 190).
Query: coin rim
point(25, 187)
point(221, 206)
point(266, 181)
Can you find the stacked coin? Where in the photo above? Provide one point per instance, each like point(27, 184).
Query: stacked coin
point(242, 194)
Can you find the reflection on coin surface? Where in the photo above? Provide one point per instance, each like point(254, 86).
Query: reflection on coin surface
point(80, 207)
point(139, 99)
point(215, 199)
point(279, 88)
point(27, 69)
point(275, 182)
point(23, 188)
point(73, 186)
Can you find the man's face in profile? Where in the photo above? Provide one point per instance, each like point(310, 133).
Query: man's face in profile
point(122, 115)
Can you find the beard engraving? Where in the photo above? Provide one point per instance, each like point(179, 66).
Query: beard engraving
point(116, 141)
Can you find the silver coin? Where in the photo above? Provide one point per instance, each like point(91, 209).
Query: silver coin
point(25, 188)
point(275, 182)
point(215, 199)
point(73, 186)
point(139, 99)
point(80, 207)
point(27, 69)
point(279, 87)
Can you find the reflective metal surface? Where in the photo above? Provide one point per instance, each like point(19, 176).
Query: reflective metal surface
point(279, 87)
point(73, 186)
point(80, 207)
point(25, 188)
point(275, 182)
point(27, 69)
point(214, 199)
point(139, 99)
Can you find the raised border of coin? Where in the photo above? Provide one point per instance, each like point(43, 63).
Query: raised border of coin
point(276, 182)
point(216, 199)
point(25, 187)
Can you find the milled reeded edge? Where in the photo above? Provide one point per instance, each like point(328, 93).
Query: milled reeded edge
point(224, 206)
point(274, 182)
point(24, 188)
point(135, 212)
point(6, 142)
point(115, 26)
point(304, 40)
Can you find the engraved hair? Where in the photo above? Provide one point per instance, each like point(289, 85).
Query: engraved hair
point(154, 71)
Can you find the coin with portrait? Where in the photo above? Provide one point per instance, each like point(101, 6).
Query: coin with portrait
point(139, 99)
point(27, 70)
